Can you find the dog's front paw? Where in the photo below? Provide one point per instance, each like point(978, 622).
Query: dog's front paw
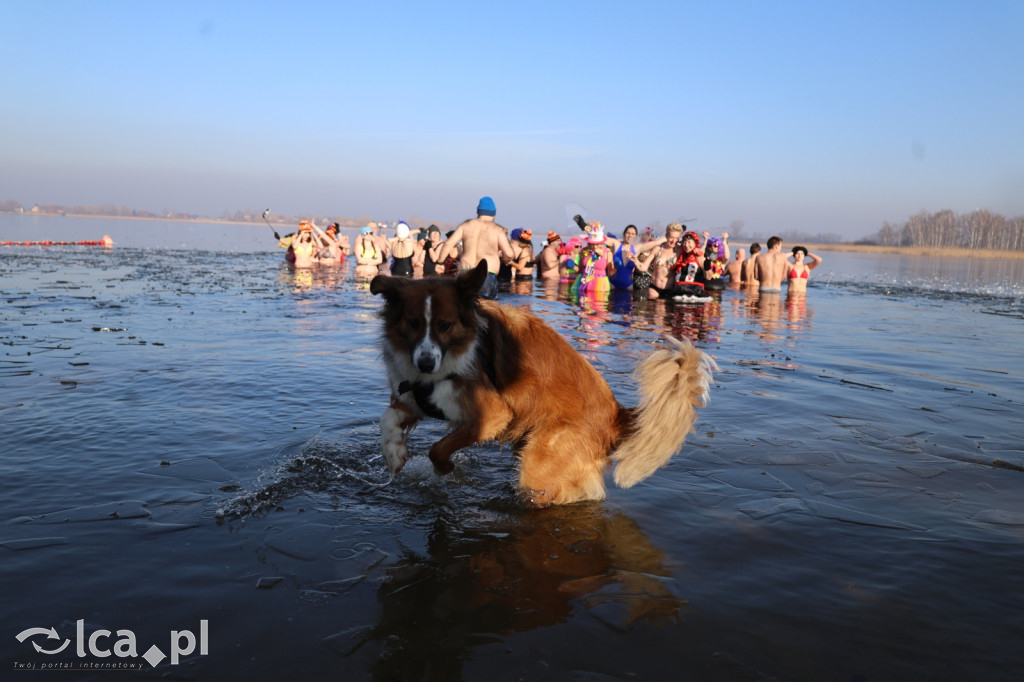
point(394, 425)
point(396, 454)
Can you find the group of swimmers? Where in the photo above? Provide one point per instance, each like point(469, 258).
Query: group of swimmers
point(309, 245)
point(767, 271)
point(681, 265)
point(407, 254)
point(674, 266)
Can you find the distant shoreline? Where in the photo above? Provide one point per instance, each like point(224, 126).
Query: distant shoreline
point(941, 251)
point(212, 221)
point(345, 223)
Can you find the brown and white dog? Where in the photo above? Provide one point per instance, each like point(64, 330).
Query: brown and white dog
point(499, 373)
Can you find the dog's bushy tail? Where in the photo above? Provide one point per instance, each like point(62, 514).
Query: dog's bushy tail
point(673, 383)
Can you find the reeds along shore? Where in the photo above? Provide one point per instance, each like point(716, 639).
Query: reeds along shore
point(945, 251)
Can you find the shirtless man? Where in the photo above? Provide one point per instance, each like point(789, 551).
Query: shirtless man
point(770, 268)
point(735, 267)
point(482, 239)
point(747, 270)
point(547, 261)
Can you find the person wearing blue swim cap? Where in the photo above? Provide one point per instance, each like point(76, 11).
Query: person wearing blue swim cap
point(482, 239)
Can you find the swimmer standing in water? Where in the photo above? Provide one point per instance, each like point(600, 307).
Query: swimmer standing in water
point(800, 269)
point(770, 268)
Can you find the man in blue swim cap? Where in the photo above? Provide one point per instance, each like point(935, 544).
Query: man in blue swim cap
point(482, 239)
point(485, 207)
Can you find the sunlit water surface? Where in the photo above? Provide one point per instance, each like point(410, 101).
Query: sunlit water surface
point(192, 435)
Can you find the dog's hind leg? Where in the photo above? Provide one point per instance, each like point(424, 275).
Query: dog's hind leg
point(561, 468)
point(395, 424)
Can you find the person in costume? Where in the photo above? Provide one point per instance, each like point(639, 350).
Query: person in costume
point(595, 265)
point(716, 258)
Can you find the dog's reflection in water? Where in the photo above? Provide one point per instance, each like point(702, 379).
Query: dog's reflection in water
point(480, 584)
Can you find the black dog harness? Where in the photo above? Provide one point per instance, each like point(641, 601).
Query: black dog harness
point(421, 393)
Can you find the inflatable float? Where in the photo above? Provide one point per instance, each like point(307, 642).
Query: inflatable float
point(105, 241)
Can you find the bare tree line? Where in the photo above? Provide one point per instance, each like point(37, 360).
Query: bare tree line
point(981, 229)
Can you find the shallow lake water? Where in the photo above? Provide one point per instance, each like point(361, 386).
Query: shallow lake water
point(191, 435)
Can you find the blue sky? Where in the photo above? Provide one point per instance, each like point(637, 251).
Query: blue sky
point(815, 117)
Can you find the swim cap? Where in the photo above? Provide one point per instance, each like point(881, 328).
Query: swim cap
point(486, 207)
point(525, 236)
point(515, 233)
point(433, 228)
point(402, 231)
point(366, 230)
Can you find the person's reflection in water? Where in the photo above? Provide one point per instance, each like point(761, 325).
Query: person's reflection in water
point(796, 305)
point(767, 309)
point(779, 319)
point(536, 569)
point(316, 277)
point(547, 289)
point(300, 278)
point(698, 321)
point(523, 287)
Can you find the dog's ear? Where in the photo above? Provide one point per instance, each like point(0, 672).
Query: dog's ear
point(388, 286)
point(469, 282)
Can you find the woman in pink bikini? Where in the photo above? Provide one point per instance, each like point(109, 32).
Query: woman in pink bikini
point(800, 268)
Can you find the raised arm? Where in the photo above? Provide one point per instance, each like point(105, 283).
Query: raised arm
point(324, 238)
point(651, 245)
point(450, 244)
point(641, 265)
point(504, 246)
